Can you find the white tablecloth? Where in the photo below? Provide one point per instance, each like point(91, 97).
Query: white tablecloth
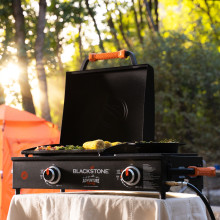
point(101, 206)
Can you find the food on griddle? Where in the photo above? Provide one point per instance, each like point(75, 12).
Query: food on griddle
point(44, 148)
point(107, 144)
point(166, 140)
point(89, 145)
point(94, 145)
point(99, 144)
point(116, 143)
point(59, 148)
point(161, 141)
point(73, 147)
point(51, 148)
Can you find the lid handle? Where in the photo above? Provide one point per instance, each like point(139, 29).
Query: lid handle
point(122, 54)
point(203, 171)
point(106, 56)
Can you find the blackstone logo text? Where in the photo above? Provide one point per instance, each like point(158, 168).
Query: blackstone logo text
point(91, 171)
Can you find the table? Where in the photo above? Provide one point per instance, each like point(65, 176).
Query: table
point(105, 206)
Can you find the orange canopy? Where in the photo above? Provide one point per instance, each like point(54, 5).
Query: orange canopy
point(19, 130)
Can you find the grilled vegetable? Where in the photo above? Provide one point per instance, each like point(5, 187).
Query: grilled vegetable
point(116, 143)
point(72, 147)
point(89, 145)
point(59, 148)
point(107, 144)
point(94, 145)
point(50, 148)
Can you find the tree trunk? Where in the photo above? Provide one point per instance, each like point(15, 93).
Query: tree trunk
point(113, 32)
point(141, 14)
point(27, 100)
point(80, 39)
point(150, 5)
point(6, 11)
point(149, 16)
point(2, 95)
point(91, 13)
point(80, 44)
point(137, 24)
point(157, 15)
point(60, 63)
point(112, 27)
point(39, 44)
point(5, 43)
point(58, 53)
point(121, 27)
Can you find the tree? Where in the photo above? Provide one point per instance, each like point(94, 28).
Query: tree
point(92, 14)
point(122, 28)
point(2, 95)
point(151, 22)
point(197, 19)
point(39, 45)
point(111, 25)
point(67, 13)
point(187, 86)
point(7, 26)
point(137, 24)
point(206, 8)
point(27, 100)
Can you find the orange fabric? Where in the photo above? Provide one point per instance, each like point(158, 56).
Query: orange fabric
point(20, 130)
point(11, 114)
point(1, 170)
point(106, 56)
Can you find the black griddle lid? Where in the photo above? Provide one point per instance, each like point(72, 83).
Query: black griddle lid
point(114, 104)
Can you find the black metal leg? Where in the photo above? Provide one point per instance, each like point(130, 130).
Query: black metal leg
point(17, 191)
point(62, 190)
point(162, 195)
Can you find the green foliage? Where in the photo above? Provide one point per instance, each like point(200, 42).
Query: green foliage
point(187, 78)
point(198, 19)
point(6, 38)
point(61, 14)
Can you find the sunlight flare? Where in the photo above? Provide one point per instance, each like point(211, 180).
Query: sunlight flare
point(9, 76)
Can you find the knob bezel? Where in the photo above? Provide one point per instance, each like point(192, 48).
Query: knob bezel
point(130, 182)
point(52, 177)
point(52, 170)
point(132, 174)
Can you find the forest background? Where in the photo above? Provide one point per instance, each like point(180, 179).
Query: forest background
point(41, 40)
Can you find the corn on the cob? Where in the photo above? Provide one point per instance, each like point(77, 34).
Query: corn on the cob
point(94, 145)
point(107, 144)
point(115, 143)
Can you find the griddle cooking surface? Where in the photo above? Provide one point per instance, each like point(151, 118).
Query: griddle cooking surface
point(118, 149)
point(32, 151)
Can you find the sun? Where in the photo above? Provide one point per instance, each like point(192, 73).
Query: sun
point(9, 76)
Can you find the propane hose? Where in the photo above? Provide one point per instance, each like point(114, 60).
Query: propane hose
point(173, 183)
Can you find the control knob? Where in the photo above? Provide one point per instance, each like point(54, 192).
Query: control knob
point(52, 175)
point(130, 176)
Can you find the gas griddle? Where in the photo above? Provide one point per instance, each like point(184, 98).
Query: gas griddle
point(114, 104)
